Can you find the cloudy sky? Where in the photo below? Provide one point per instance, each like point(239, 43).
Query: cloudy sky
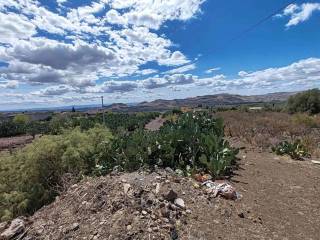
point(71, 52)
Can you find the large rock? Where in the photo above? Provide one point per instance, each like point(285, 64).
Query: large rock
point(180, 203)
point(16, 227)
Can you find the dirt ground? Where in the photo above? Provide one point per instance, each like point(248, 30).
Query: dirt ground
point(14, 142)
point(280, 200)
point(155, 124)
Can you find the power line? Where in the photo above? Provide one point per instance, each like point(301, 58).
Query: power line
point(257, 24)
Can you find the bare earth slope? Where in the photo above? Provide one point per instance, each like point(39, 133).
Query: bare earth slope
point(280, 201)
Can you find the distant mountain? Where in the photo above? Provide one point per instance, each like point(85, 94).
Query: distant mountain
point(208, 100)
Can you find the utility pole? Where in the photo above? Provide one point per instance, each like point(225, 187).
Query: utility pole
point(104, 119)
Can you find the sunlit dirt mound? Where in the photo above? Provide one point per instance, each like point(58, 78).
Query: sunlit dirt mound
point(139, 205)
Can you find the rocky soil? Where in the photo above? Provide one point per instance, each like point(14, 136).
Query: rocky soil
point(280, 200)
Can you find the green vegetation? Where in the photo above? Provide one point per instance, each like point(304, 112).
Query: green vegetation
point(10, 129)
point(295, 150)
point(21, 119)
point(32, 176)
point(21, 124)
point(308, 101)
point(218, 156)
point(182, 144)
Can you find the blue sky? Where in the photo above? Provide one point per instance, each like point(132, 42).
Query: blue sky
point(71, 52)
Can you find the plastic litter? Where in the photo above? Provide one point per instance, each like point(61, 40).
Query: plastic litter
point(315, 162)
point(223, 189)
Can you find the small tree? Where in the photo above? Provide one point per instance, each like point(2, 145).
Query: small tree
point(21, 119)
point(308, 101)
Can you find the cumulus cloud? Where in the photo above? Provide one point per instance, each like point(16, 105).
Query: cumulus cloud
point(299, 13)
point(217, 80)
point(168, 80)
point(114, 17)
point(47, 77)
point(62, 56)
point(14, 26)
point(78, 45)
point(54, 90)
point(153, 14)
point(175, 59)
point(301, 73)
point(113, 87)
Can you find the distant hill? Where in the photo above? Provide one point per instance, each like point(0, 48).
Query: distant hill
point(223, 99)
point(208, 100)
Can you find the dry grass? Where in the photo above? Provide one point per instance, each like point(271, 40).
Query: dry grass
point(266, 129)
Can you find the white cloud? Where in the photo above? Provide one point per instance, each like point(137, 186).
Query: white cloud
point(9, 84)
point(216, 80)
point(54, 90)
point(160, 82)
point(114, 17)
point(14, 26)
point(153, 14)
point(89, 47)
point(183, 69)
point(299, 75)
point(61, 1)
point(243, 74)
point(303, 71)
point(176, 59)
point(299, 13)
point(61, 56)
point(211, 70)
point(146, 71)
point(113, 87)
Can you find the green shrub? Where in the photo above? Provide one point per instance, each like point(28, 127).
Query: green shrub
point(308, 101)
point(31, 177)
point(179, 145)
point(218, 156)
point(9, 129)
point(21, 119)
point(295, 150)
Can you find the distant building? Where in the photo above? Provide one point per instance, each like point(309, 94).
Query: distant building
point(255, 108)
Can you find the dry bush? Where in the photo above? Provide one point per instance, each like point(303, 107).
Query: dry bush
point(266, 129)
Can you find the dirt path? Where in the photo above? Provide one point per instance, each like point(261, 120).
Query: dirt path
point(280, 201)
point(14, 142)
point(155, 124)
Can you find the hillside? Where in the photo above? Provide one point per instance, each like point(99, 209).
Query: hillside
point(208, 100)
